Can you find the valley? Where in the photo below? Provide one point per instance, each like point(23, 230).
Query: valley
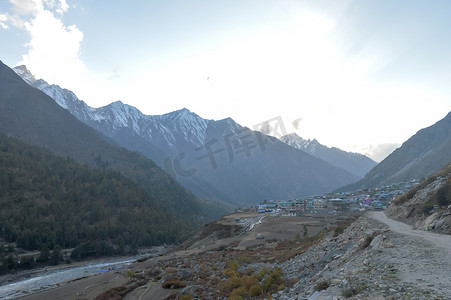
point(80, 184)
point(365, 256)
point(257, 240)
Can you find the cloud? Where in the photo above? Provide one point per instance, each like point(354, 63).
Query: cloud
point(3, 20)
point(54, 48)
point(26, 8)
point(379, 152)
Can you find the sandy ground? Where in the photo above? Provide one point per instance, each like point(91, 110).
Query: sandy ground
point(85, 288)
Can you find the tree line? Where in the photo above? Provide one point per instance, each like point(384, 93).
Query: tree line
point(49, 202)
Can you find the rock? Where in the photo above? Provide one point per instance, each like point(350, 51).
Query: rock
point(376, 242)
point(259, 236)
point(315, 295)
point(184, 273)
point(388, 245)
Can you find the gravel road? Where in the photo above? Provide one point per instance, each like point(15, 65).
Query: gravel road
point(438, 240)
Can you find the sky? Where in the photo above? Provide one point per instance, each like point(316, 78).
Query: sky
point(360, 75)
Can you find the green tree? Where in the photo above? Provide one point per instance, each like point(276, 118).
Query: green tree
point(56, 255)
point(44, 256)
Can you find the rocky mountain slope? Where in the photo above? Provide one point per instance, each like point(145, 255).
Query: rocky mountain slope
point(218, 160)
point(32, 116)
point(428, 205)
point(354, 163)
point(425, 153)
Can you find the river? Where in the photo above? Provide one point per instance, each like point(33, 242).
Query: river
point(50, 278)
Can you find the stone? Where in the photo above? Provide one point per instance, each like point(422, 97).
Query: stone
point(184, 273)
point(315, 295)
point(388, 245)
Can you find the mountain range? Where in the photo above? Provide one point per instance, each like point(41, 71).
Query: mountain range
point(219, 160)
point(425, 153)
point(234, 166)
point(32, 116)
point(355, 163)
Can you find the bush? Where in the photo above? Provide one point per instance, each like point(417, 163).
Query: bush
point(173, 284)
point(368, 240)
point(255, 290)
point(251, 284)
point(348, 293)
point(340, 228)
point(322, 285)
point(443, 195)
point(426, 208)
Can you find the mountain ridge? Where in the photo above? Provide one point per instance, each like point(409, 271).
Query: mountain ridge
point(219, 160)
point(32, 116)
point(354, 163)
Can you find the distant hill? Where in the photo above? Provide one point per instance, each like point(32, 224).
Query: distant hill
point(423, 154)
point(30, 115)
point(49, 201)
point(219, 160)
point(354, 163)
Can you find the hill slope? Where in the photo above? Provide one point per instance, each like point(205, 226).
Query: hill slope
point(30, 115)
point(46, 200)
point(220, 160)
point(426, 152)
point(426, 205)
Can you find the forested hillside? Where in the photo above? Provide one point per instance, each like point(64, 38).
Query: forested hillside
point(48, 201)
point(33, 117)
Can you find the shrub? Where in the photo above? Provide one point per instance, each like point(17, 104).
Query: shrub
point(426, 208)
point(173, 284)
point(322, 285)
point(348, 293)
point(340, 228)
point(255, 290)
point(443, 195)
point(242, 285)
point(368, 240)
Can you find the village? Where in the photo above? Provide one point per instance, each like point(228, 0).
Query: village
point(335, 203)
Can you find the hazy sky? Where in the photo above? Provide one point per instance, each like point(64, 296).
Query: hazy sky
point(358, 75)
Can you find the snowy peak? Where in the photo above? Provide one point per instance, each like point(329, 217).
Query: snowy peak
point(202, 153)
point(118, 115)
point(62, 96)
point(185, 123)
point(25, 74)
point(124, 111)
point(183, 116)
point(117, 118)
point(355, 163)
point(297, 142)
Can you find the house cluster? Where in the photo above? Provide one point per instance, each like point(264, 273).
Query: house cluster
point(363, 199)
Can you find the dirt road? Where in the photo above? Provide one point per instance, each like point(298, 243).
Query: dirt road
point(439, 240)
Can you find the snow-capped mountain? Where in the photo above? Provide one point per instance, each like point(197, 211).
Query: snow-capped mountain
point(218, 160)
point(354, 163)
point(296, 141)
